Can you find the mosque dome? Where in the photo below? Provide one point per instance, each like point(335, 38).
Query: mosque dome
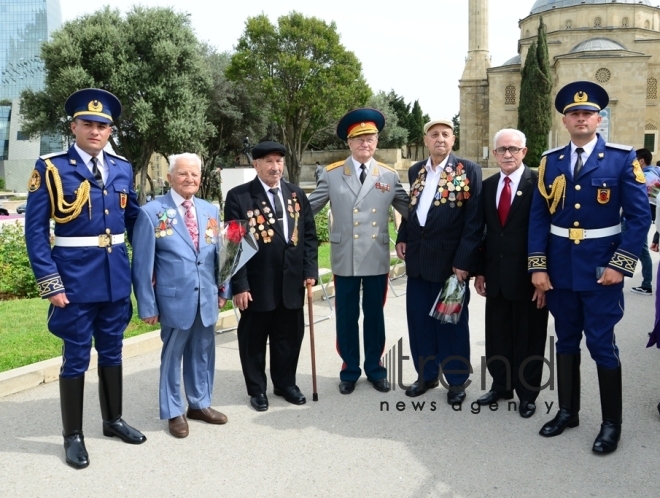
point(545, 5)
point(513, 61)
point(597, 44)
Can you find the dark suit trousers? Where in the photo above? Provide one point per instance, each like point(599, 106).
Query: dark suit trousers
point(347, 301)
point(515, 331)
point(431, 342)
point(285, 329)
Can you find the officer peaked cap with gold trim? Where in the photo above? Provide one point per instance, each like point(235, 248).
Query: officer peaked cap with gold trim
point(93, 104)
point(581, 96)
point(360, 122)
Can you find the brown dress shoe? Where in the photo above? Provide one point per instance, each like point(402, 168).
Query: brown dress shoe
point(208, 415)
point(178, 426)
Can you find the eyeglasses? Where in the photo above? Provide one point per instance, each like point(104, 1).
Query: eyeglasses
point(369, 141)
point(512, 150)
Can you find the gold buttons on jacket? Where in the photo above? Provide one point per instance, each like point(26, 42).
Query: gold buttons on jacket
point(107, 230)
point(356, 223)
point(576, 224)
point(577, 241)
point(355, 211)
point(105, 192)
point(373, 210)
point(373, 236)
point(107, 211)
point(356, 236)
point(577, 187)
point(109, 249)
point(577, 206)
point(373, 224)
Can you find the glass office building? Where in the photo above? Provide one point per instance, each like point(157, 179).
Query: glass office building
point(24, 26)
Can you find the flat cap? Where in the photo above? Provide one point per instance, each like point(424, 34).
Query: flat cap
point(431, 124)
point(264, 148)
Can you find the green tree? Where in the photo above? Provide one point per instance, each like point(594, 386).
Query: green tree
point(535, 109)
point(150, 59)
point(416, 127)
point(456, 120)
point(393, 135)
point(307, 78)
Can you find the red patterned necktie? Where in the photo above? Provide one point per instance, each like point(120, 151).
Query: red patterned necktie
point(191, 225)
point(505, 201)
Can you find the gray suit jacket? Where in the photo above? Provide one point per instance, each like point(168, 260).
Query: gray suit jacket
point(359, 236)
point(186, 280)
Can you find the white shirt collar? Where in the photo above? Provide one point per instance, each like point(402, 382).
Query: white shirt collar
point(438, 168)
point(267, 188)
point(87, 158)
point(588, 148)
point(515, 176)
point(178, 199)
point(357, 164)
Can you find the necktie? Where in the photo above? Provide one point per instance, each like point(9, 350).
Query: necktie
point(191, 225)
point(277, 204)
point(97, 172)
point(505, 201)
point(363, 174)
point(578, 162)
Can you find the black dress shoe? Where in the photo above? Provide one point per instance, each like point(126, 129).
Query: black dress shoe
point(123, 431)
point(418, 388)
point(454, 397)
point(75, 451)
point(292, 394)
point(382, 385)
point(527, 408)
point(564, 419)
point(608, 438)
point(492, 396)
point(346, 387)
point(259, 402)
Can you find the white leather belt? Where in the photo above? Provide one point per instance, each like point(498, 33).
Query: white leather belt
point(104, 240)
point(582, 233)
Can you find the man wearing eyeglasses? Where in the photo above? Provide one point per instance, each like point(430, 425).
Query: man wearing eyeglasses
point(360, 191)
point(440, 238)
point(516, 315)
point(578, 255)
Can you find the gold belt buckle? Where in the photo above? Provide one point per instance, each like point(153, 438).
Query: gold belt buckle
point(576, 233)
point(105, 240)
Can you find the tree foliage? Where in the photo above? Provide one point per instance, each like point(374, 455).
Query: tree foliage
point(150, 59)
point(393, 135)
point(535, 109)
point(306, 77)
point(456, 121)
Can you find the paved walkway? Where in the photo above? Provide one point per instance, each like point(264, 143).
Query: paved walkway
point(345, 445)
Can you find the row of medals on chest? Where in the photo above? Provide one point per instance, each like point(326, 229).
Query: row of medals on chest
point(451, 188)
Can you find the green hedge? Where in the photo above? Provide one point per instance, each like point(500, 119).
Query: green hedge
point(322, 229)
point(16, 277)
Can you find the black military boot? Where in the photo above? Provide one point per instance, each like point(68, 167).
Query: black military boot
point(110, 395)
point(71, 404)
point(609, 382)
point(568, 385)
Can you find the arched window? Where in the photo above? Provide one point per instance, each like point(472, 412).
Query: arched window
point(510, 95)
point(647, 25)
point(651, 88)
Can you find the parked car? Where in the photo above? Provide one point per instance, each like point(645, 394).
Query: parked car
point(3, 212)
point(21, 209)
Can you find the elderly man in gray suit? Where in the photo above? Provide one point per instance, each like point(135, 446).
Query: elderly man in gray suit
point(360, 191)
point(175, 282)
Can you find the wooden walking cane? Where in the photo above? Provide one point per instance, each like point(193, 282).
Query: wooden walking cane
point(310, 306)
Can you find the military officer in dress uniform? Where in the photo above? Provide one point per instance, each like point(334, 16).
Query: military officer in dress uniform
point(88, 193)
point(578, 255)
point(360, 191)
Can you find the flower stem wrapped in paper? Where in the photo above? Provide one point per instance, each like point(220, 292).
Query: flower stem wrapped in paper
point(448, 305)
point(235, 245)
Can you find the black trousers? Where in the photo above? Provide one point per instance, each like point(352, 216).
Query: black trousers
point(285, 329)
point(515, 331)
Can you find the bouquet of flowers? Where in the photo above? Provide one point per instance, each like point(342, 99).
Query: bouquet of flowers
point(448, 305)
point(653, 190)
point(235, 246)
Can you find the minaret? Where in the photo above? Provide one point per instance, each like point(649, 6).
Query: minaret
point(473, 86)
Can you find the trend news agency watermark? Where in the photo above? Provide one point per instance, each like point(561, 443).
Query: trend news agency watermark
point(394, 358)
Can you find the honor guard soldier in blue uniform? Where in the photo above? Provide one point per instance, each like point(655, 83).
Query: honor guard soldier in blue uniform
point(578, 255)
point(86, 276)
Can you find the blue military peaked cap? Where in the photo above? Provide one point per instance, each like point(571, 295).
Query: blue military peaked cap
point(93, 104)
point(360, 122)
point(581, 96)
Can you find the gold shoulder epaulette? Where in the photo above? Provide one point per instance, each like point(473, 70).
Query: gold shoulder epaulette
point(336, 165)
point(386, 166)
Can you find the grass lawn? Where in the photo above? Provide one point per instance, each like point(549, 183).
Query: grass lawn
point(24, 338)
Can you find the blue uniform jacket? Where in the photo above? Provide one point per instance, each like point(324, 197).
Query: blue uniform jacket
point(86, 274)
point(608, 182)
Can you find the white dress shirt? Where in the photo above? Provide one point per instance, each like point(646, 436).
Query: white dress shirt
point(588, 149)
point(515, 182)
point(178, 201)
point(103, 168)
point(425, 199)
point(285, 213)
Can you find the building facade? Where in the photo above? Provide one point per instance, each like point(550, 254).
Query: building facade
point(24, 26)
point(614, 44)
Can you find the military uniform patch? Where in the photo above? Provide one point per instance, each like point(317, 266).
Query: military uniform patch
point(35, 181)
point(603, 195)
point(123, 199)
point(639, 174)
